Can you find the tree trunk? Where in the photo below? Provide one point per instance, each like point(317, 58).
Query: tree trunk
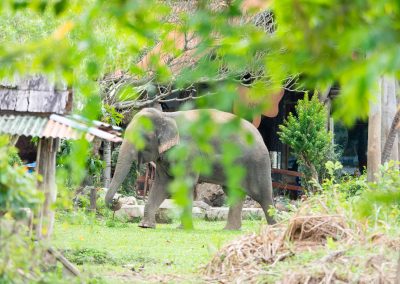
point(314, 173)
point(389, 135)
point(374, 137)
point(46, 167)
point(391, 138)
point(107, 160)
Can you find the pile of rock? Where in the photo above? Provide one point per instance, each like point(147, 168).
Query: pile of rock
point(169, 210)
point(212, 194)
point(209, 204)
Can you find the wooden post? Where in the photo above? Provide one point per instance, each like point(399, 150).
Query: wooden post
point(14, 139)
point(389, 103)
point(46, 167)
point(107, 160)
point(93, 198)
point(374, 136)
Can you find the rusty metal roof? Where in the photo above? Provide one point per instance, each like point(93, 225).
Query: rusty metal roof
point(54, 126)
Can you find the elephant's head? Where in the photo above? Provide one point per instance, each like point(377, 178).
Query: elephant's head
point(162, 136)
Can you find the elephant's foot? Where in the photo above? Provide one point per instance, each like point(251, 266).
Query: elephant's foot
point(144, 224)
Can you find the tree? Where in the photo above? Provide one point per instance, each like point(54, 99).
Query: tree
point(394, 130)
point(306, 133)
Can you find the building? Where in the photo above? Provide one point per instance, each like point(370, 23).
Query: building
point(37, 107)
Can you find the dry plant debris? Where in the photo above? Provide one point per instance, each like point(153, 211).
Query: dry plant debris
point(252, 258)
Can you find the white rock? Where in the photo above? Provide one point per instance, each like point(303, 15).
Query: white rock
point(221, 213)
point(128, 200)
point(168, 204)
point(131, 211)
point(217, 213)
point(198, 213)
point(201, 204)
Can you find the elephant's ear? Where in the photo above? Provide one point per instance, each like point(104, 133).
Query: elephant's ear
point(168, 135)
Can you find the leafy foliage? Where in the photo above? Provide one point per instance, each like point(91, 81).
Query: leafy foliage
point(17, 186)
point(111, 116)
point(383, 197)
point(14, 158)
point(349, 43)
point(354, 186)
point(18, 200)
point(87, 255)
point(307, 135)
point(66, 160)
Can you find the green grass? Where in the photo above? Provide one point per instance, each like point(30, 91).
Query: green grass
point(111, 249)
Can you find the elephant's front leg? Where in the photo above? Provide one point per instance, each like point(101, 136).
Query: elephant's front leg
point(158, 193)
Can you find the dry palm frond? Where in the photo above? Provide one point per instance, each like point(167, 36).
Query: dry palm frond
point(250, 257)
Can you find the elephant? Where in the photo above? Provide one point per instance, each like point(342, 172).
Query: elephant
point(167, 132)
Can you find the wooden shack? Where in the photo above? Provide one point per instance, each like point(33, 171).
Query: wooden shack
point(36, 106)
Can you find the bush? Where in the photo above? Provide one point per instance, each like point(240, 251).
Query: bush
point(17, 186)
point(20, 258)
point(383, 196)
point(307, 136)
point(354, 186)
point(94, 165)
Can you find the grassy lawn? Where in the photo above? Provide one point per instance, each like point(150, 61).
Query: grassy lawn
point(117, 252)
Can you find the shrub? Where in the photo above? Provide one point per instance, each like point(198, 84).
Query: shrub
point(383, 196)
point(20, 258)
point(17, 186)
point(307, 136)
point(354, 186)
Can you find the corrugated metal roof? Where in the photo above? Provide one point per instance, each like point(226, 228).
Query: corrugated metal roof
point(54, 126)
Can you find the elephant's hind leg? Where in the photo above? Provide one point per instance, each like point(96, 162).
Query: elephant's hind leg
point(235, 216)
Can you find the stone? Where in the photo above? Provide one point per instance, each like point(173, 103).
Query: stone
point(168, 204)
point(211, 194)
point(130, 211)
point(167, 212)
point(198, 212)
point(217, 214)
point(201, 204)
point(221, 213)
point(128, 200)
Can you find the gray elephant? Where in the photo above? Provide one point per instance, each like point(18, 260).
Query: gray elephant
point(167, 132)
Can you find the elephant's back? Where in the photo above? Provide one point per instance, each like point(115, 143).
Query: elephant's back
point(221, 117)
point(218, 116)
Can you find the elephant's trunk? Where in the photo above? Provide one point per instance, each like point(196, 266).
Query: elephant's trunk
point(126, 156)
